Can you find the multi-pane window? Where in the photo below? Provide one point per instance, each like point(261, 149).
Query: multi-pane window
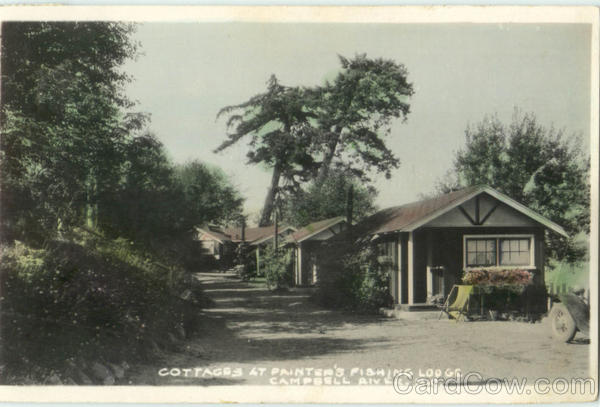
point(492, 251)
point(515, 252)
point(385, 251)
point(481, 252)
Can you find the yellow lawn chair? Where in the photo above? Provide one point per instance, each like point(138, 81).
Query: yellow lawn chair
point(460, 307)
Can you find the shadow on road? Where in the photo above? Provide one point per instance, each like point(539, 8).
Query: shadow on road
point(250, 323)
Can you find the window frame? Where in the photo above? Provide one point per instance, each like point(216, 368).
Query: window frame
point(498, 237)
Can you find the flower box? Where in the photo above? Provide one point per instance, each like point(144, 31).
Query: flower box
point(498, 278)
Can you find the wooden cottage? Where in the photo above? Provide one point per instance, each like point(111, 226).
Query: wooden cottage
point(214, 242)
point(222, 243)
point(306, 242)
point(258, 238)
point(429, 243)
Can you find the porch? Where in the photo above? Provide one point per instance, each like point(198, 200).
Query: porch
point(426, 263)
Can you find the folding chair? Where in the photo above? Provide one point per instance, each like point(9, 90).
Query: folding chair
point(460, 307)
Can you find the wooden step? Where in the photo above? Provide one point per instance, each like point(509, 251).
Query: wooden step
point(416, 307)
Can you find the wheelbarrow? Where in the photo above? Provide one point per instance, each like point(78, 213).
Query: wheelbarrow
point(569, 315)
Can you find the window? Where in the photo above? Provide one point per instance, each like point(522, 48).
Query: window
point(481, 252)
point(385, 251)
point(497, 251)
point(515, 252)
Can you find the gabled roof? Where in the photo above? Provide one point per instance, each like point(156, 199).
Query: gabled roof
point(406, 218)
point(314, 228)
point(255, 235)
point(217, 235)
point(281, 230)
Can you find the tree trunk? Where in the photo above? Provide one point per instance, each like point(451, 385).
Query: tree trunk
point(326, 163)
point(267, 211)
point(91, 208)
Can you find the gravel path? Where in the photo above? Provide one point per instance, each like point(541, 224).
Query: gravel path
point(253, 336)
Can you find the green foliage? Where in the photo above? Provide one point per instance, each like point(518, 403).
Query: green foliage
point(568, 275)
point(72, 155)
point(329, 199)
point(246, 261)
point(208, 195)
point(278, 265)
point(303, 133)
point(157, 204)
point(86, 300)
point(534, 165)
point(353, 278)
point(63, 122)
point(274, 121)
point(355, 110)
point(147, 203)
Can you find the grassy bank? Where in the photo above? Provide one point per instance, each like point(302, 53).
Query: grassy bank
point(80, 309)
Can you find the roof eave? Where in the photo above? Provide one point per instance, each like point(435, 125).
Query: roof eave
point(340, 220)
point(209, 234)
point(499, 196)
point(526, 211)
point(264, 239)
point(415, 225)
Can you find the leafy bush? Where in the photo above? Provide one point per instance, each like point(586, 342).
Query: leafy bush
point(509, 290)
point(87, 300)
point(245, 261)
point(278, 266)
point(353, 278)
point(498, 277)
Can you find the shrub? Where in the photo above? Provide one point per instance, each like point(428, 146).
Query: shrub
point(495, 277)
point(245, 260)
point(89, 300)
point(353, 278)
point(278, 266)
point(509, 290)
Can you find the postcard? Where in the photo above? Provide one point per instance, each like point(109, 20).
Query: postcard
point(299, 204)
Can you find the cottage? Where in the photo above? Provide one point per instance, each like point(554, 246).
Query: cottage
point(259, 238)
point(429, 243)
point(306, 242)
point(223, 243)
point(258, 235)
point(214, 242)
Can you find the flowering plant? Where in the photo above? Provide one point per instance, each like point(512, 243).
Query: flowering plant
point(498, 277)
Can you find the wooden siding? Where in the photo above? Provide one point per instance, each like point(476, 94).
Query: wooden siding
point(447, 251)
point(483, 209)
point(443, 247)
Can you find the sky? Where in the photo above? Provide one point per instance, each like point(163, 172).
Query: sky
point(460, 74)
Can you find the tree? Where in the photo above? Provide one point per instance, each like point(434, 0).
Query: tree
point(355, 110)
point(303, 133)
point(148, 203)
point(329, 199)
point(534, 165)
point(64, 121)
point(274, 120)
point(208, 195)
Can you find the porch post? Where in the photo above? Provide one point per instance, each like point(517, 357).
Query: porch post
point(299, 264)
point(429, 264)
point(411, 269)
point(398, 271)
point(257, 261)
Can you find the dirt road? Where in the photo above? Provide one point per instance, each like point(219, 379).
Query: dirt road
point(253, 336)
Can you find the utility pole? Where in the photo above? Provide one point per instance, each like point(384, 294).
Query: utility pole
point(276, 243)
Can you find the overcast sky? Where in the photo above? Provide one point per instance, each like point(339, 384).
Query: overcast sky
point(460, 73)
